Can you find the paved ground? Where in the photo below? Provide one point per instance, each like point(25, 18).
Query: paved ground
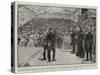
point(26, 53)
point(61, 58)
point(30, 57)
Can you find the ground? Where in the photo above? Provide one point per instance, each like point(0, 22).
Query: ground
point(30, 56)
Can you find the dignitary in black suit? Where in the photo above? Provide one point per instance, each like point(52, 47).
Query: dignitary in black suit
point(51, 40)
point(88, 45)
point(73, 41)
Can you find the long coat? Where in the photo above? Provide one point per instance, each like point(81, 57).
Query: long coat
point(80, 50)
point(88, 41)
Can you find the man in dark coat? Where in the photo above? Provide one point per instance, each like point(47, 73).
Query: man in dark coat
point(88, 45)
point(51, 37)
point(45, 46)
point(73, 41)
point(80, 50)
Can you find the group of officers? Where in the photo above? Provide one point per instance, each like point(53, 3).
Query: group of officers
point(82, 44)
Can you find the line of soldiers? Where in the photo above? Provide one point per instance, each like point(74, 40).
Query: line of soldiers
point(82, 44)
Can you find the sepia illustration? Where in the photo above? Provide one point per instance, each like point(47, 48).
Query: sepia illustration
point(50, 35)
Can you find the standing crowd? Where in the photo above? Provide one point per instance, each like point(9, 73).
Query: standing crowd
point(83, 43)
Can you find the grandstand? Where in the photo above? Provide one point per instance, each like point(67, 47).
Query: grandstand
point(37, 19)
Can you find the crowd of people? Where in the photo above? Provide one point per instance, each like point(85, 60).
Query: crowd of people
point(49, 36)
point(37, 28)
